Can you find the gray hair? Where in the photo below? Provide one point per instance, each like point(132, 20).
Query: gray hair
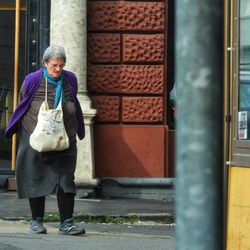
point(54, 51)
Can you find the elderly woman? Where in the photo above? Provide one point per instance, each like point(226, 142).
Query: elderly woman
point(41, 174)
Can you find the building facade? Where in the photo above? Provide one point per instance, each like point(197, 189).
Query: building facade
point(119, 51)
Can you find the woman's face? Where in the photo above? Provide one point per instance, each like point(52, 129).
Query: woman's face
point(55, 67)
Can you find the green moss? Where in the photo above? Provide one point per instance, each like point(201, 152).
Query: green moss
point(107, 219)
point(51, 218)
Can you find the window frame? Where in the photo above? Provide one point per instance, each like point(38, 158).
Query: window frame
point(240, 148)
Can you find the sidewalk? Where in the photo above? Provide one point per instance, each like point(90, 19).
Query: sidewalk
point(15, 235)
point(12, 208)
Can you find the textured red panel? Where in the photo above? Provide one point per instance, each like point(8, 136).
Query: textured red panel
point(129, 151)
point(107, 108)
point(104, 47)
point(142, 109)
point(122, 15)
point(136, 79)
point(143, 48)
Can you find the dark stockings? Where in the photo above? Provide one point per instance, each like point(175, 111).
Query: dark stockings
point(37, 207)
point(65, 203)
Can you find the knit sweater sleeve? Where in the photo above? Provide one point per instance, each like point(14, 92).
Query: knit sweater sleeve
point(31, 84)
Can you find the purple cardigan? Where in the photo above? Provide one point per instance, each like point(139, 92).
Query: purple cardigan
point(32, 82)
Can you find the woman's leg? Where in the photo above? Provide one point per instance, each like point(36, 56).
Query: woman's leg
point(66, 202)
point(37, 206)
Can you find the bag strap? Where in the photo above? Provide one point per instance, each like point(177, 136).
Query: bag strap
point(46, 89)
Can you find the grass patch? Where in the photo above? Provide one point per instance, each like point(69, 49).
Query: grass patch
point(167, 220)
point(97, 219)
point(51, 218)
point(107, 219)
point(88, 218)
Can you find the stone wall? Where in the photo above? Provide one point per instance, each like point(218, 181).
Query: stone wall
point(127, 43)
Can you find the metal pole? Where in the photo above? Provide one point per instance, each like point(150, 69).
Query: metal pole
point(16, 67)
point(199, 79)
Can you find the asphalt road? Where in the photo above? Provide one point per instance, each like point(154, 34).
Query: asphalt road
point(15, 236)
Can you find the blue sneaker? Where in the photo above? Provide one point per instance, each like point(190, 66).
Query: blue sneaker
point(37, 227)
point(68, 228)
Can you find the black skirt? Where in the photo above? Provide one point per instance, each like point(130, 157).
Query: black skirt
point(40, 174)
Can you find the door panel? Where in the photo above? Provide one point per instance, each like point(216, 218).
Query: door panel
point(7, 51)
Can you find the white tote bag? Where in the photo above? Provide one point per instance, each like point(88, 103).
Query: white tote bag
point(49, 133)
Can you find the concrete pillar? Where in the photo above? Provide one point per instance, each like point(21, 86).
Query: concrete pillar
point(68, 28)
point(199, 79)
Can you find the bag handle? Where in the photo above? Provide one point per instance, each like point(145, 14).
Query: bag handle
point(46, 89)
point(46, 94)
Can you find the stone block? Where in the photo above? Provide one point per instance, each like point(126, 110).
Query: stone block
point(143, 48)
point(142, 109)
point(104, 47)
point(124, 15)
point(129, 150)
point(107, 108)
point(126, 79)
